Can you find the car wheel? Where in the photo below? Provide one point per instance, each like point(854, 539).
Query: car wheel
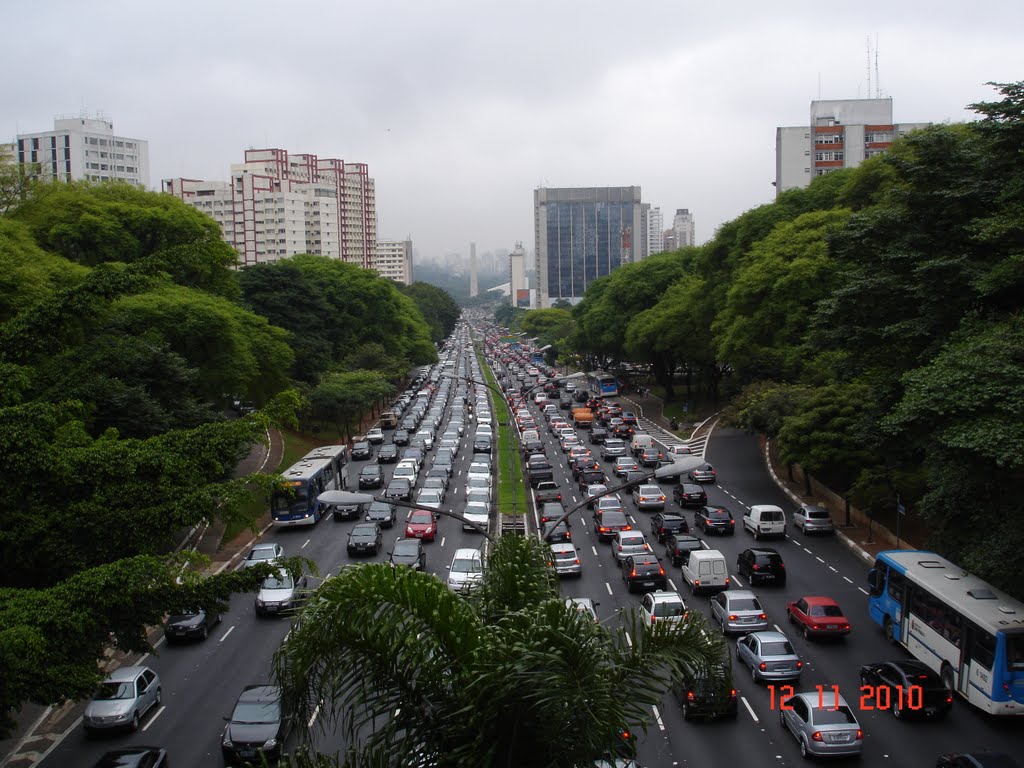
point(807, 633)
point(803, 749)
point(897, 710)
point(134, 726)
point(789, 615)
point(204, 632)
point(782, 720)
point(947, 676)
point(753, 673)
point(687, 715)
point(159, 697)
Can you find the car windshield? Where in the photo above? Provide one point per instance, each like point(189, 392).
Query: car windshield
point(829, 716)
point(379, 508)
point(278, 582)
point(825, 610)
point(780, 648)
point(744, 604)
point(262, 554)
point(114, 691)
point(406, 548)
point(253, 712)
point(421, 518)
point(466, 565)
point(668, 609)
point(719, 514)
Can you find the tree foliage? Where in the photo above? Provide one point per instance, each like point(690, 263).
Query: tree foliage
point(506, 675)
point(437, 307)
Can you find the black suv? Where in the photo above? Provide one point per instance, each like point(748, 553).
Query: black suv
point(689, 495)
point(678, 547)
point(387, 454)
point(371, 476)
point(701, 695)
point(538, 469)
point(362, 450)
point(597, 435)
point(761, 564)
point(664, 523)
point(610, 522)
point(715, 520)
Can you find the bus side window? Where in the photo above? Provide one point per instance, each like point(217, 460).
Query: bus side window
point(876, 578)
point(983, 651)
point(897, 586)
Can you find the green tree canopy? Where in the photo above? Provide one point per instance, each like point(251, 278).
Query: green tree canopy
point(437, 307)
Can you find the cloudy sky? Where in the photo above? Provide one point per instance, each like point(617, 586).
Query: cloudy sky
point(461, 109)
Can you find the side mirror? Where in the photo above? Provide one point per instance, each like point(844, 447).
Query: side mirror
point(227, 719)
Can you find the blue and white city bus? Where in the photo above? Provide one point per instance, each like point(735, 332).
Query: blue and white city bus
point(322, 469)
point(602, 384)
point(969, 632)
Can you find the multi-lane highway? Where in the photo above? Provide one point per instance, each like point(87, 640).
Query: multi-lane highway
point(202, 680)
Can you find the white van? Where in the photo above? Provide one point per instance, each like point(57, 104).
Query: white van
point(706, 571)
point(640, 443)
point(765, 520)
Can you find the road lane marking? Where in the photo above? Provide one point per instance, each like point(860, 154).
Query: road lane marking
point(833, 569)
point(704, 544)
point(819, 559)
point(595, 549)
point(629, 640)
point(673, 585)
point(738, 582)
point(224, 636)
point(749, 708)
point(862, 590)
point(609, 588)
point(778, 628)
point(153, 718)
point(657, 717)
point(306, 544)
point(313, 717)
point(848, 579)
point(442, 541)
point(808, 551)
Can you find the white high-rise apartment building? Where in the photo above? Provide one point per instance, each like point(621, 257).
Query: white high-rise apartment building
point(519, 289)
point(394, 260)
point(684, 229)
point(841, 134)
point(84, 148)
point(278, 205)
point(655, 231)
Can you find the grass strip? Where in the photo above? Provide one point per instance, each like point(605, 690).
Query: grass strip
point(512, 496)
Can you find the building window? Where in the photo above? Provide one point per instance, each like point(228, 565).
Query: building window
point(827, 156)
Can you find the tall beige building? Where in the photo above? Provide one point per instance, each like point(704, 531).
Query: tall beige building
point(84, 148)
point(394, 260)
point(278, 205)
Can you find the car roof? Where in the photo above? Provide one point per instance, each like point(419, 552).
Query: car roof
point(260, 693)
point(125, 674)
point(466, 552)
point(563, 547)
point(818, 600)
point(764, 551)
point(665, 596)
point(769, 636)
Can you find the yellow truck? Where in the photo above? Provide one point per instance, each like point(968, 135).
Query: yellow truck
point(583, 418)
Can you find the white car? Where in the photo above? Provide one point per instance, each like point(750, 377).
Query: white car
point(662, 605)
point(479, 469)
point(466, 570)
point(428, 497)
point(479, 483)
point(375, 435)
point(540, 397)
point(477, 513)
point(406, 469)
point(426, 437)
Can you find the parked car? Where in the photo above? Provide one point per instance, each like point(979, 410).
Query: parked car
point(408, 552)
point(122, 700)
point(912, 689)
point(689, 495)
point(761, 565)
point(189, 624)
point(738, 611)
point(818, 616)
point(822, 723)
point(810, 518)
point(664, 523)
point(257, 728)
point(769, 655)
point(643, 572)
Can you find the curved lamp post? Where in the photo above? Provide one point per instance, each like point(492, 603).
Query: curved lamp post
point(346, 497)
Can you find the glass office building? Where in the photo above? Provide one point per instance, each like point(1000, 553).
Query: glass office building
point(583, 233)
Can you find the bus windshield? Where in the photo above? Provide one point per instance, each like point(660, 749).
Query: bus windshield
point(293, 498)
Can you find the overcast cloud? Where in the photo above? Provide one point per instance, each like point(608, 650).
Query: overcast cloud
point(461, 109)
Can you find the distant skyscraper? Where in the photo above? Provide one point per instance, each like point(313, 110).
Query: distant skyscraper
point(278, 205)
point(841, 134)
point(519, 290)
point(474, 283)
point(85, 148)
point(682, 225)
point(656, 228)
point(583, 233)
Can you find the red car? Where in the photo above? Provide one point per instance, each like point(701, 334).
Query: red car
point(818, 617)
point(421, 525)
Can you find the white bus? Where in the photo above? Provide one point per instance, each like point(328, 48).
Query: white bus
point(322, 469)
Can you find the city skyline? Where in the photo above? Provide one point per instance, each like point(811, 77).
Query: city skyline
point(686, 109)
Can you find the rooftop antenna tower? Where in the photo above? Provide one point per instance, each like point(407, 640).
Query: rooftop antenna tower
point(878, 80)
point(868, 46)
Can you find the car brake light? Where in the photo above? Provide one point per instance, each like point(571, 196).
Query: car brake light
point(619, 547)
point(732, 693)
point(696, 582)
point(949, 698)
point(726, 581)
point(661, 570)
point(732, 522)
point(763, 616)
point(653, 619)
point(817, 736)
point(633, 573)
point(860, 734)
point(844, 625)
point(799, 665)
point(762, 666)
point(733, 617)
point(690, 696)
point(755, 567)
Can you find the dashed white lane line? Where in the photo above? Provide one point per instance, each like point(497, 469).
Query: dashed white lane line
point(749, 708)
point(442, 541)
point(306, 544)
point(862, 590)
point(847, 579)
point(225, 635)
point(153, 718)
point(833, 569)
point(609, 588)
point(313, 717)
point(738, 582)
point(777, 628)
point(657, 717)
point(673, 585)
point(704, 544)
point(629, 640)
point(808, 551)
point(819, 559)
point(595, 549)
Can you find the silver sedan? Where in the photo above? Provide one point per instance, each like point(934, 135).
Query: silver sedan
point(770, 656)
point(822, 723)
point(739, 611)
